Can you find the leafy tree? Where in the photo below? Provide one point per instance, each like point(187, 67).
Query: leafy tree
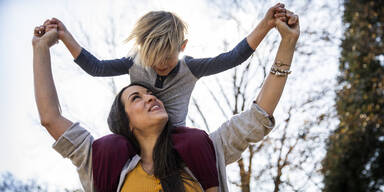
point(355, 155)
point(8, 183)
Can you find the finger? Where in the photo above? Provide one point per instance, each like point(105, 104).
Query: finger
point(36, 31)
point(297, 24)
point(283, 19)
point(46, 22)
point(292, 20)
point(289, 12)
point(279, 23)
point(280, 5)
point(275, 7)
point(280, 15)
point(55, 20)
point(41, 29)
point(281, 10)
point(51, 26)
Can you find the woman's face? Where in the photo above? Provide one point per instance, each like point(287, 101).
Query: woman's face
point(144, 110)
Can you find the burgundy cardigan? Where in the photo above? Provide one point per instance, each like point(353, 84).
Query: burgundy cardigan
point(110, 153)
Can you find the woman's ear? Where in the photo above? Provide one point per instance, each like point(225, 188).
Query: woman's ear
point(131, 128)
point(183, 45)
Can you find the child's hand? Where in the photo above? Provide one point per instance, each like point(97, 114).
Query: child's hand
point(276, 12)
point(61, 29)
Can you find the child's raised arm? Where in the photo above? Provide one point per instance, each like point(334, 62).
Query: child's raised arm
point(266, 24)
point(86, 60)
point(208, 66)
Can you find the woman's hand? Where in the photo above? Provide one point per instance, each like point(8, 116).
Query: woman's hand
point(290, 29)
point(45, 35)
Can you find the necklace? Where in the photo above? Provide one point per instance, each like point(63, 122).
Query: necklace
point(150, 171)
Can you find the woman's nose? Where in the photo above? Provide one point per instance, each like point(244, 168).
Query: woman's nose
point(150, 98)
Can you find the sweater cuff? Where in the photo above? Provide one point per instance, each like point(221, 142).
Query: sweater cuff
point(244, 49)
point(82, 56)
point(266, 120)
point(70, 140)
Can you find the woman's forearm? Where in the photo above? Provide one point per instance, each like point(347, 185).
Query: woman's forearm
point(45, 93)
point(273, 87)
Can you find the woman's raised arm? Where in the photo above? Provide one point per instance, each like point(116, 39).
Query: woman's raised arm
point(45, 91)
point(272, 89)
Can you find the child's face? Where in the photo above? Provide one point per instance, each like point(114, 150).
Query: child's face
point(167, 66)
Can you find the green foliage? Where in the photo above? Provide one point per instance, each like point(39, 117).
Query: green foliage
point(8, 183)
point(355, 151)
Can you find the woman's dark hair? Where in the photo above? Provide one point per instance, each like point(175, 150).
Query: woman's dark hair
point(167, 162)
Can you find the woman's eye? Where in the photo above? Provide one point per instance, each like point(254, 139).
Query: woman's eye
point(135, 97)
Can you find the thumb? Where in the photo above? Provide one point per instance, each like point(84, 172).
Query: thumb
point(280, 24)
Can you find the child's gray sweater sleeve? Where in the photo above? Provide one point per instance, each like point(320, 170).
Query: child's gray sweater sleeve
point(208, 66)
point(103, 68)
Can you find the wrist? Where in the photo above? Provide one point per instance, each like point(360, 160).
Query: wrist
point(288, 40)
point(40, 45)
point(266, 25)
point(65, 36)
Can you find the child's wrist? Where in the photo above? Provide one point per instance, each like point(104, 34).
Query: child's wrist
point(65, 36)
point(266, 25)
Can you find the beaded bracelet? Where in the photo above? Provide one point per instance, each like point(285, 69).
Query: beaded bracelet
point(279, 72)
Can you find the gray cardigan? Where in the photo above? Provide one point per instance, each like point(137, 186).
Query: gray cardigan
point(230, 140)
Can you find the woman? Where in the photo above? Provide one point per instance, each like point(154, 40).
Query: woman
point(148, 119)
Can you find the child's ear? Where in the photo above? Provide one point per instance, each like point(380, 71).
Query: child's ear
point(183, 45)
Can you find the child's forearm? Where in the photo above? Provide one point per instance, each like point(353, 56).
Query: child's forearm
point(71, 44)
point(258, 34)
point(273, 87)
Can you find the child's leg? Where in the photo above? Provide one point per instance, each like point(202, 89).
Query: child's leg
point(197, 151)
point(109, 155)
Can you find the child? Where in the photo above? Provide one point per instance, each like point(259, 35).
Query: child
point(159, 38)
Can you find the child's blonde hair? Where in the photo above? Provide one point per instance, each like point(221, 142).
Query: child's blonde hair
point(158, 35)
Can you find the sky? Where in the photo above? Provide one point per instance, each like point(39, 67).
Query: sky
point(24, 144)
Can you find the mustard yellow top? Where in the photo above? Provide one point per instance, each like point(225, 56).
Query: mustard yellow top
point(140, 181)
